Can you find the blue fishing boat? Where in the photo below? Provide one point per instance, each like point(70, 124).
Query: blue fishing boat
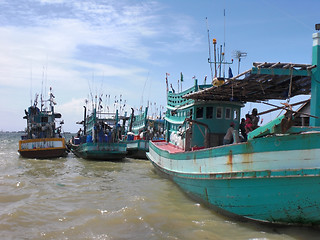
point(142, 129)
point(101, 136)
point(273, 176)
point(42, 139)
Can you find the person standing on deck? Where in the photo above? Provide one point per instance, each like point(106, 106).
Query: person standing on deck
point(243, 129)
point(254, 118)
point(228, 138)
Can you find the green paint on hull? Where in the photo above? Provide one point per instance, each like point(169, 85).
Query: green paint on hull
point(137, 148)
point(266, 198)
point(101, 151)
point(277, 194)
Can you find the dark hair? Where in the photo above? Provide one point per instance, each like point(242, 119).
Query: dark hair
point(254, 111)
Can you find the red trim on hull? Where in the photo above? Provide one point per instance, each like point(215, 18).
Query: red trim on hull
point(163, 145)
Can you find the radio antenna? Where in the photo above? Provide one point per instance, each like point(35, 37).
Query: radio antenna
point(239, 55)
point(209, 59)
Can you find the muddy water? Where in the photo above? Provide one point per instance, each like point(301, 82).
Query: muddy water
point(71, 198)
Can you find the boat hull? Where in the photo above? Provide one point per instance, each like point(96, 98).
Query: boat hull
point(257, 180)
point(137, 148)
point(100, 151)
point(43, 148)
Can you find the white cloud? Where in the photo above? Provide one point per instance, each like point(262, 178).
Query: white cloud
point(65, 43)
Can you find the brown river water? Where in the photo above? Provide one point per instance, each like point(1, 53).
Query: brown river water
point(72, 198)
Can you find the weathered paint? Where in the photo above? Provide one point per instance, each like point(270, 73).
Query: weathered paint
point(264, 196)
point(272, 179)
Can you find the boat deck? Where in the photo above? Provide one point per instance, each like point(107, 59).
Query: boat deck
point(163, 145)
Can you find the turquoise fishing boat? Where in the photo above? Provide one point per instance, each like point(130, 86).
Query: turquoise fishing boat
point(141, 130)
point(137, 137)
point(272, 177)
point(100, 138)
point(42, 138)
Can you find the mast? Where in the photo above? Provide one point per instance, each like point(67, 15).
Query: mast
point(131, 120)
point(84, 120)
point(224, 41)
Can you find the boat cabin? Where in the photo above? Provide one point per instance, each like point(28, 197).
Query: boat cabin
point(193, 123)
point(200, 116)
point(101, 127)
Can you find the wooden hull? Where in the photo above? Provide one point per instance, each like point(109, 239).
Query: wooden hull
point(137, 149)
point(273, 179)
point(43, 148)
point(100, 151)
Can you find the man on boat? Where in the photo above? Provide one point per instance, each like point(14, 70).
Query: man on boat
point(228, 138)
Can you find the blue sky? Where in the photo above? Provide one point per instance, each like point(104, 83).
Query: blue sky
point(119, 47)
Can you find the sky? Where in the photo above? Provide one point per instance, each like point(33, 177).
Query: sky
point(123, 49)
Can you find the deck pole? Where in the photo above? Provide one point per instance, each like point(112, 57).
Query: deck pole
point(315, 81)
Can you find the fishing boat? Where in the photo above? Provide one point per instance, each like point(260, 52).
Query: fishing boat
point(101, 136)
point(42, 139)
point(142, 129)
point(274, 176)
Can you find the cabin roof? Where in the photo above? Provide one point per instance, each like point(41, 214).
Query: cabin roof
point(263, 82)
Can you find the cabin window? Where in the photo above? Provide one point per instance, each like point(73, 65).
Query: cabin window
point(199, 112)
point(235, 114)
point(209, 112)
point(228, 113)
point(219, 113)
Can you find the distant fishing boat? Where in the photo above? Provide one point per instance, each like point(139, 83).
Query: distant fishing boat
point(272, 177)
point(42, 138)
point(100, 137)
point(141, 130)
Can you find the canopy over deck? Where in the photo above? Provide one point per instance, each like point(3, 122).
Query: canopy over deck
point(264, 81)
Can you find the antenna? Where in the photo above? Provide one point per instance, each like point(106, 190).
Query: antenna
point(31, 85)
point(238, 54)
point(144, 86)
point(224, 41)
point(209, 59)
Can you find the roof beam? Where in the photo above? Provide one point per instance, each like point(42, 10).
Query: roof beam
point(280, 71)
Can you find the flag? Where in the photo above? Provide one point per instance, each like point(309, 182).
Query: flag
point(181, 77)
point(230, 73)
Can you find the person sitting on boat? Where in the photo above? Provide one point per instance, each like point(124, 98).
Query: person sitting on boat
point(79, 133)
point(228, 138)
point(254, 118)
point(248, 122)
